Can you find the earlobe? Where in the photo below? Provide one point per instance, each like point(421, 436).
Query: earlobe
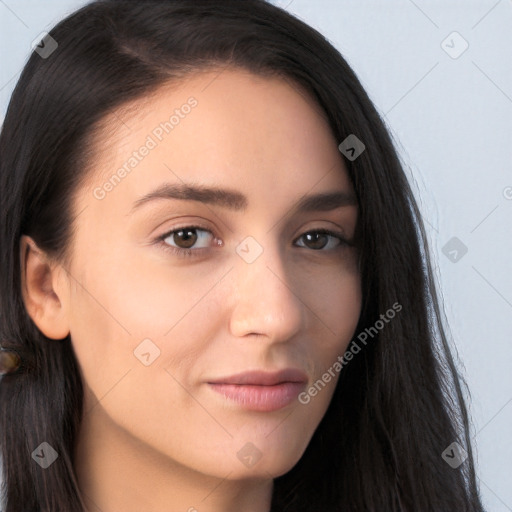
point(43, 299)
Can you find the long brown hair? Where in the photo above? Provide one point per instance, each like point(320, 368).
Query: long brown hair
point(397, 406)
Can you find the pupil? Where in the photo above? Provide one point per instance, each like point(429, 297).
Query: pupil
point(189, 241)
point(316, 236)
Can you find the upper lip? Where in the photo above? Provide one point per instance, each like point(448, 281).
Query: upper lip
point(263, 378)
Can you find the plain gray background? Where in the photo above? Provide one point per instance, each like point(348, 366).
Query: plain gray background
point(450, 112)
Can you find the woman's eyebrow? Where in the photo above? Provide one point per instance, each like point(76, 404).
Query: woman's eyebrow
point(235, 200)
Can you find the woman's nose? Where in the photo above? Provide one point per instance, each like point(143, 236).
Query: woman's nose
point(265, 301)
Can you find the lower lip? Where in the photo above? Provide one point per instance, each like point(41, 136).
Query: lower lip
point(260, 398)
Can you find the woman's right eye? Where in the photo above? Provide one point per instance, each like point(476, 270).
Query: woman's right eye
point(187, 236)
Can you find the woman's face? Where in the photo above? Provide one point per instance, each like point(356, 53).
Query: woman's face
point(153, 326)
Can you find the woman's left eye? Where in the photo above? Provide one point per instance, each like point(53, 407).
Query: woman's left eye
point(188, 236)
point(316, 235)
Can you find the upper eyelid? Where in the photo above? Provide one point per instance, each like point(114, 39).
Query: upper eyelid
point(190, 225)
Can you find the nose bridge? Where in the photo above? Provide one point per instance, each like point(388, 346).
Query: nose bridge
point(264, 302)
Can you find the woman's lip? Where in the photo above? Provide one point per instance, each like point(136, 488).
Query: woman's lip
point(263, 378)
point(260, 398)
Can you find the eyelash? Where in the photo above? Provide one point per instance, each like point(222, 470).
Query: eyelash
point(186, 253)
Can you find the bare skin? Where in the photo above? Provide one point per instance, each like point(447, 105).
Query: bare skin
point(155, 436)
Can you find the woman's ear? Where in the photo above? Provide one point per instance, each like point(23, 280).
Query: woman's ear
point(43, 291)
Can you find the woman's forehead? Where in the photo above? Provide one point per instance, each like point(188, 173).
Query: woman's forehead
point(234, 129)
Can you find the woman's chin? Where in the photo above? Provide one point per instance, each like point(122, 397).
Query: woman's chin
point(250, 462)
